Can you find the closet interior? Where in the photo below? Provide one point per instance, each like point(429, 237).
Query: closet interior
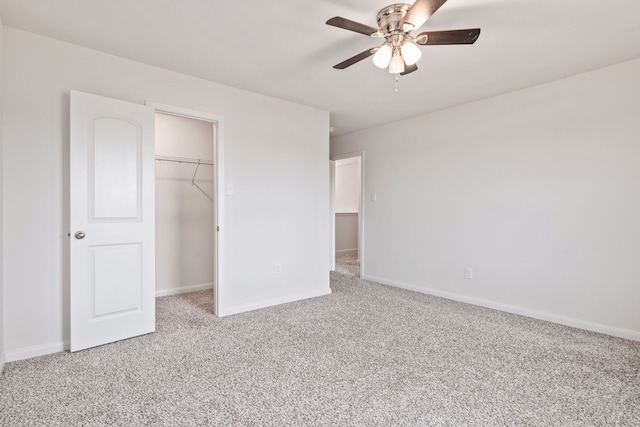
point(185, 198)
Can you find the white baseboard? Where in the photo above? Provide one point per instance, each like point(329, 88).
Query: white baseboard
point(274, 301)
point(2, 361)
point(549, 317)
point(346, 250)
point(184, 290)
point(36, 350)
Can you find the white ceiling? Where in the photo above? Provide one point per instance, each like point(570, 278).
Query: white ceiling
point(284, 49)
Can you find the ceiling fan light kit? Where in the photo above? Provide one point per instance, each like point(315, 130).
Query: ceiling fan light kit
point(396, 65)
point(382, 57)
point(400, 51)
point(410, 52)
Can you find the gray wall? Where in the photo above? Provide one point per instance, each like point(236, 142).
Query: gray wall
point(348, 185)
point(346, 231)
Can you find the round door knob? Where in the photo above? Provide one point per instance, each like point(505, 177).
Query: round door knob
point(79, 235)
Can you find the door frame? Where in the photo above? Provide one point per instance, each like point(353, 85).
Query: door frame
point(332, 214)
point(218, 190)
point(361, 212)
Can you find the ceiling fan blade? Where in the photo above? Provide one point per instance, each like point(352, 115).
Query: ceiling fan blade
point(347, 24)
point(409, 69)
point(420, 12)
point(356, 58)
point(468, 36)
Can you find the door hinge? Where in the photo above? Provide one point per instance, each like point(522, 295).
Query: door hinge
point(218, 228)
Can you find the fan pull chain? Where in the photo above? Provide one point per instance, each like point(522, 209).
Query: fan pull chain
point(397, 78)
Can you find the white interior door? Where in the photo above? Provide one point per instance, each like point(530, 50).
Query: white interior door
point(112, 220)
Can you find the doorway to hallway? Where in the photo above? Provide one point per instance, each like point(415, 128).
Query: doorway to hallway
point(347, 213)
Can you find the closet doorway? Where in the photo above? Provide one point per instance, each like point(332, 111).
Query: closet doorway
point(186, 204)
point(348, 213)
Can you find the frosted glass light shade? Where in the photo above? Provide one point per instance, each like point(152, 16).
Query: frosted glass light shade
point(396, 65)
point(382, 57)
point(411, 53)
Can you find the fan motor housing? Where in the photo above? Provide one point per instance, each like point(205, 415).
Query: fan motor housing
point(389, 18)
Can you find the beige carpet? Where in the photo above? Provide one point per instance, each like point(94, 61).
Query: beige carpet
point(367, 355)
point(347, 263)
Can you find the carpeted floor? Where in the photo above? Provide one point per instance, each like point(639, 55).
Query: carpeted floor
point(348, 263)
point(366, 355)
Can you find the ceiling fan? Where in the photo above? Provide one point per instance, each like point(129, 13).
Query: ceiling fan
point(400, 52)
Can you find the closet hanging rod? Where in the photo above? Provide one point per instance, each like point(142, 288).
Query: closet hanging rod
point(184, 160)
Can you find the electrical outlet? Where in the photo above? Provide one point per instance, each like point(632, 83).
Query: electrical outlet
point(278, 269)
point(468, 273)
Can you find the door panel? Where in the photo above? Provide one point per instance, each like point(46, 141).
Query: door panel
point(114, 169)
point(112, 253)
point(116, 291)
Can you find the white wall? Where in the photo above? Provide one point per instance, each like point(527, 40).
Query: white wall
point(348, 185)
point(2, 355)
point(184, 212)
point(536, 190)
point(275, 156)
